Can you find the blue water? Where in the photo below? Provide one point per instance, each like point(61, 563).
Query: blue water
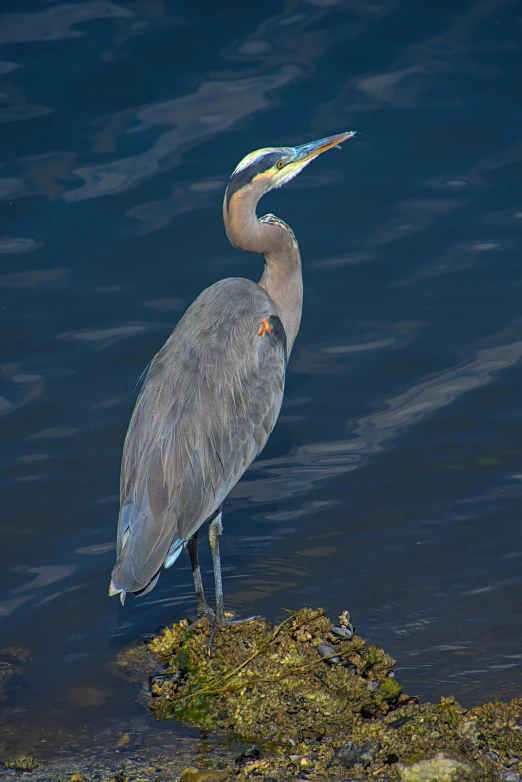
point(392, 485)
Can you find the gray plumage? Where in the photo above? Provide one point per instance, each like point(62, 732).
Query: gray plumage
point(212, 394)
point(210, 399)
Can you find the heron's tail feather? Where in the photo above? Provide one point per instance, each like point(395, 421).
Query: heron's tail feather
point(144, 543)
point(115, 590)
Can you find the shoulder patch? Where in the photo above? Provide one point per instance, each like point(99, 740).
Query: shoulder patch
point(265, 327)
point(273, 329)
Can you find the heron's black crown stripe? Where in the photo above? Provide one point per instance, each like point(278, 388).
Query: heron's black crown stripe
point(242, 178)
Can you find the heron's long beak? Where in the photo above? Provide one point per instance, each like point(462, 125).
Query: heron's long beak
point(307, 152)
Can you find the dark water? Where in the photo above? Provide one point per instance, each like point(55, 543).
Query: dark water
point(392, 484)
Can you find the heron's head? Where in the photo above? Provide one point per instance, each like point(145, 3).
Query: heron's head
point(266, 169)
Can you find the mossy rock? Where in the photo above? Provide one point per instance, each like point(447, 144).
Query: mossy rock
point(22, 763)
point(322, 705)
point(315, 702)
point(274, 684)
point(439, 768)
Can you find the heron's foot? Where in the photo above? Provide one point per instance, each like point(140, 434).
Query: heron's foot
point(204, 611)
point(228, 620)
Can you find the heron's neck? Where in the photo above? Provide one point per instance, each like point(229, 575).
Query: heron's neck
point(282, 277)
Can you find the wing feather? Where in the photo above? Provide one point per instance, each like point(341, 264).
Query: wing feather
point(209, 402)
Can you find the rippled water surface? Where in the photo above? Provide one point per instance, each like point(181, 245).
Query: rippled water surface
point(392, 484)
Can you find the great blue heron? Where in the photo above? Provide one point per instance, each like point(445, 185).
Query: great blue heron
point(212, 394)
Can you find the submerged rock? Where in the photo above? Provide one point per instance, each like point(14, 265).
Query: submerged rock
point(12, 661)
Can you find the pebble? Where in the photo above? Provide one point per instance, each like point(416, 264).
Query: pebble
point(373, 686)
point(510, 776)
point(351, 754)
point(368, 756)
point(398, 723)
point(146, 638)
point(325, 651)
point(343, 632)
point(162, 678)
point(250, 753)
point(196, 775)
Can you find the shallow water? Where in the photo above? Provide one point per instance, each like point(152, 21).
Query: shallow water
point(392, 484)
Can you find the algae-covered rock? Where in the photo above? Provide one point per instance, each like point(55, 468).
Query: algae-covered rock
point(317, 702)
point(289, 683)
point(307, 700)
point(440, 768)
point(22, 763)
point(203, 775)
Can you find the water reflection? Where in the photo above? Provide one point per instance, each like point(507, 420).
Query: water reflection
point(55, 23)
point(299, 471)
point(45, 576)
point(89, 335)
point(30, 278)
point(57, 431)
point(186, 197)
point(6, 67)
point(214, 107)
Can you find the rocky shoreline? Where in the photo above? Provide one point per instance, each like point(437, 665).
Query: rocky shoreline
point(304, 699)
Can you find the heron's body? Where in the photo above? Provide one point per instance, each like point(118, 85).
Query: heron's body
point(212, 394)
point(179, 461)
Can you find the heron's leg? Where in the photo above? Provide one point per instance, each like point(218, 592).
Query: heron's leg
point(215, 531)
point(203, 607)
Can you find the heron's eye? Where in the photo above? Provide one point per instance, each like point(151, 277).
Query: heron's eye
point(280, 163)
